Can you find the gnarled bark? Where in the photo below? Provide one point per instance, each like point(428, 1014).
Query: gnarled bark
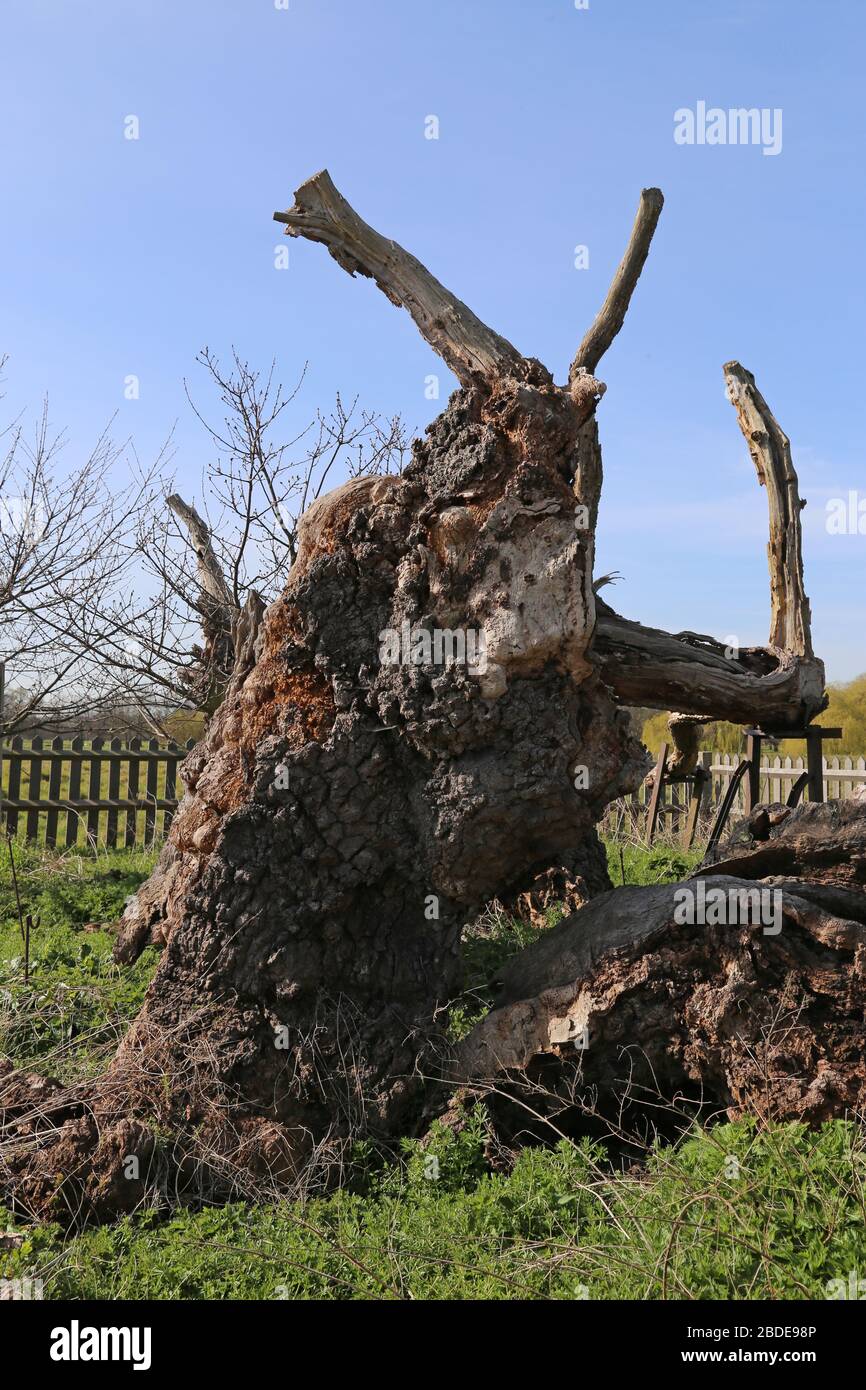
point(695, 674)
point(354, 802)
point(344, 816)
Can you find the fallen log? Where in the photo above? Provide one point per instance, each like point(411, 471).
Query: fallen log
point(739, 991)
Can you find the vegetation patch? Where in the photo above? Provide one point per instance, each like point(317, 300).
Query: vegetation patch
point(76, 1003)
point(730, 1211)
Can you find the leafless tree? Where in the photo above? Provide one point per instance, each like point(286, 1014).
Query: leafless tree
point(63, 546)
point(164, 639)
point(119, 600)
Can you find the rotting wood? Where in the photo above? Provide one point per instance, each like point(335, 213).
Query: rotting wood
point(346, 813)
point(669, 991)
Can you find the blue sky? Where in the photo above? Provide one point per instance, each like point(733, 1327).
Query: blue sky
point(124, 257)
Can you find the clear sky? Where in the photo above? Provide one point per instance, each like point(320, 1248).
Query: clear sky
point(123, 257)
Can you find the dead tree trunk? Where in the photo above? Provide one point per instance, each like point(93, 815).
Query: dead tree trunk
point(370, 780)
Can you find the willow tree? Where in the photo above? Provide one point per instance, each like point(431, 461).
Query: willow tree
point(349, 810)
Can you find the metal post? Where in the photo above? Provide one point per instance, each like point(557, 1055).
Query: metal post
point(815, 764)
point(754, 741)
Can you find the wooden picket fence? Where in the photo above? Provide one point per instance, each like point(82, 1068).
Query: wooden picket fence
point(103, 791)
point(109, 792)
point(842, 777)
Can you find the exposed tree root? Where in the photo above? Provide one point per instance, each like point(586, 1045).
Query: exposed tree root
point(757, 1007)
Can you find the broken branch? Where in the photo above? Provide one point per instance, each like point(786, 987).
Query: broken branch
point(770, 447)
point(210, 576)
point(646, 666)
point(471, 349)
point(610, 317)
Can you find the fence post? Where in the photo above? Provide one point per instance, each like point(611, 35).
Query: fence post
point(72, 817)
point(94, 787)
point(150, 813)
point(653, 812)
point(170, 785)
point(705, 760)
point(113, 794)
point(34, 787)
point(132, 791)
point(15, 749)
point(754, 743)
point(815, 765)
point(699, 791)
point(846, 786)
point(55, 773)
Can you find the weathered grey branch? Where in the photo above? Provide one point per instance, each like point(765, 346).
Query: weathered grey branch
point(218, 611)
point(697, 675)
point(632, 1000)
point(790, 617)
point(589, 469)
point(471, 349)
point(211, 579)
point(610, 317)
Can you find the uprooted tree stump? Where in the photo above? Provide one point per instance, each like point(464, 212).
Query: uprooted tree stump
point(357, 798)
point(740, 991)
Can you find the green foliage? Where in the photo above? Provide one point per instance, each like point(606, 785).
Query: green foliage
point(77, 1000)
point(74, 887)
point(185, 724)
point(487, 945)
point(451, 1159)
point(643, 865)
point(847, 710)
point(734, 1212)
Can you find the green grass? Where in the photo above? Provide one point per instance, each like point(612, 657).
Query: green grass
point(77, 1001)
point(495, 937)
point(733, 1211)
point(631, 863)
